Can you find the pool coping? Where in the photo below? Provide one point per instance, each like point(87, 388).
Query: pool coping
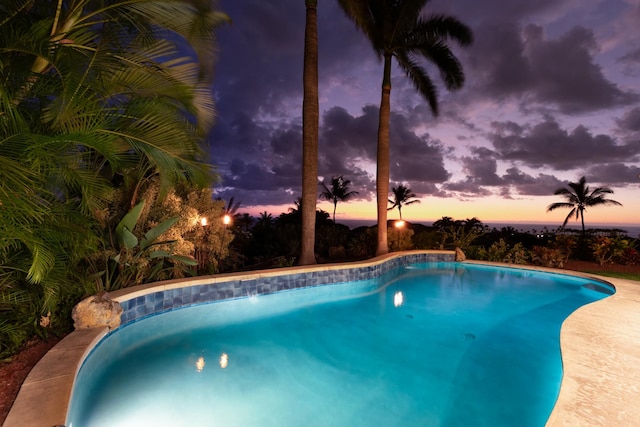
point(601, 370)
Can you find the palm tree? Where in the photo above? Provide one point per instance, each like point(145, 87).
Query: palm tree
point(579, 197)
point(402, 196)
point(397, 29)
point(338, 192)
point(310, 118)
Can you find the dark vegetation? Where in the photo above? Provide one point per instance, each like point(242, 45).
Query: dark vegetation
point(267, 242)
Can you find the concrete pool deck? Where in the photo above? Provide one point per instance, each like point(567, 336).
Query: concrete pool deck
point(600, 345)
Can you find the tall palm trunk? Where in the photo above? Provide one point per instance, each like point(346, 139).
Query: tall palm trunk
point(310, 118)
point(382, 172)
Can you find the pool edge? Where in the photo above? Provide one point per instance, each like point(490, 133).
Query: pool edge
point(44, 396)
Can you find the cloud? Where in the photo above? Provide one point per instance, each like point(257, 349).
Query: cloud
point(483, 178)
point(546, 144)
point(630, 121)
point(566, 73)
point(466, 189)
point(631, 57)
point(524, 184)
point(498, 62)
point(614, 174)
point(493, 10)
point(258, 162)
point(511, 62)
point(348, 141)
point(481, 167)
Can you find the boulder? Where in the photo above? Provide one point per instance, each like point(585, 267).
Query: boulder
point(97, 311)
point(460, 256)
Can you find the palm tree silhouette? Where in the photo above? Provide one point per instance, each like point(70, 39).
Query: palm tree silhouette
point(338, 192)
point(401, 197)
point(579, 197)
point(398, 30)
point(231, 207)
point(265, 219)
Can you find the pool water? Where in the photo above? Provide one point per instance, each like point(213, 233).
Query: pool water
point(437, 344)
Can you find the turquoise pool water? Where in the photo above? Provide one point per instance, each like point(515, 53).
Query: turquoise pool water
point(436, 344)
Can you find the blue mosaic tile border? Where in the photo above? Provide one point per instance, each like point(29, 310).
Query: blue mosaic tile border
point(170, 299)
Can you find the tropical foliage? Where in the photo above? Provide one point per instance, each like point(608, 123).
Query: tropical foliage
point(134, 260)
point(94, 95)
point(400, 237)
point(399, 29)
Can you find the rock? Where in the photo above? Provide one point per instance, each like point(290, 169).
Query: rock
point(97, 311)
point(460, 256)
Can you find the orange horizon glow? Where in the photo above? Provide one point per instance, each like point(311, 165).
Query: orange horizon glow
point(530, 210)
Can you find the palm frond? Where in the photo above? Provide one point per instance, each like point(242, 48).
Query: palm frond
point(559, 205)
point(573, 211)
point(367, 16)
point(420, 79)
point(443, 28)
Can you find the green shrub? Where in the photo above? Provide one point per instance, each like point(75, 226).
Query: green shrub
point(399, 239)
point(133, 261)
point(547, 257)
point(606, 248)
point(500, 251)
point(630, 256)
point(427, 240)
point(363, 243)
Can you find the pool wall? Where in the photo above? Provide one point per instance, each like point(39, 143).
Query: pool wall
point(160, 297)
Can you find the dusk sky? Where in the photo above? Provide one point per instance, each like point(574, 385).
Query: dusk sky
point(552, 94)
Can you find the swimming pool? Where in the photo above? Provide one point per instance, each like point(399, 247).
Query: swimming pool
point(425, 344)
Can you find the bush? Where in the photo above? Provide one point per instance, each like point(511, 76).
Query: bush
point(399, 239)
point(427, 240)
point(363, 243)
point(606, 249)
point(547, 257)
point(629, 256)
point(500, 251)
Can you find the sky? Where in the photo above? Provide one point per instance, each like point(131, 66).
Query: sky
point(552, 93)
